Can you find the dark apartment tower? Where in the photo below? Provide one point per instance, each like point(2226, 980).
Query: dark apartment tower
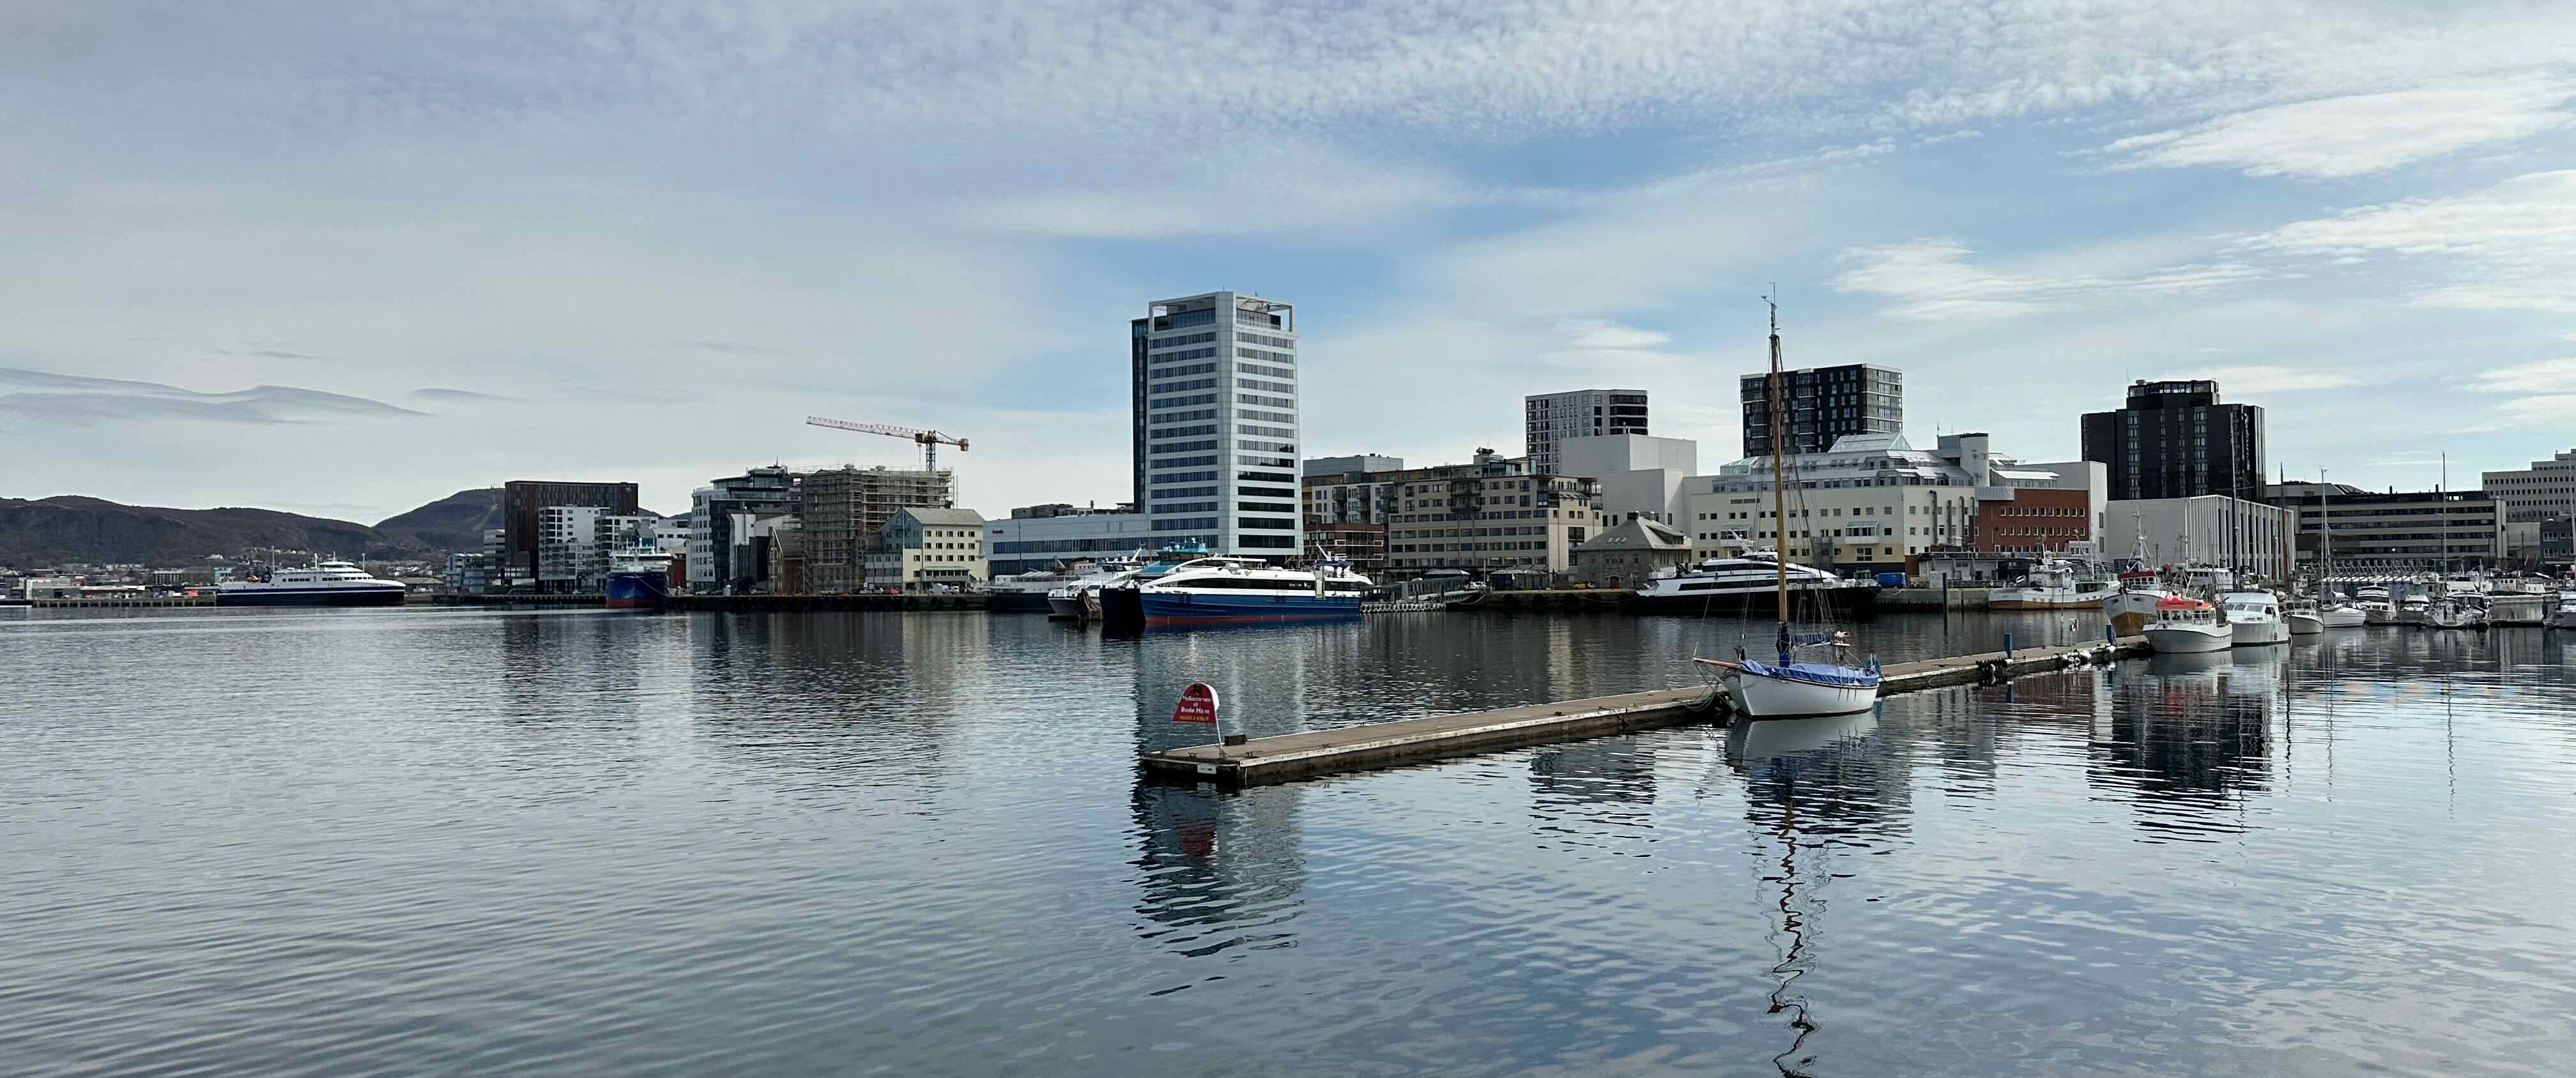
point(520, 500)
point(2178, 440)
point(1824, 404)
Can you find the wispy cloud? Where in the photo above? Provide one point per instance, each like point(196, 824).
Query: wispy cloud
point(78, 400)
point(2546, 376)
point(1932, 279)
point(2275, 379)
point(2508, 246)
point(2355, 134)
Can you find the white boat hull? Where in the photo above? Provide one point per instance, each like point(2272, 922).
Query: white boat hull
point(1778, 698)
point(2048, 598)
point(2259, 633)
point(2348, 617)
point(2304, 624)
point(2187, 639)
point(1065, 606)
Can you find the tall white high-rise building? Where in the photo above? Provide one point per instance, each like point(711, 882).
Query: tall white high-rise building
point(1551, 418)
point(1216, 435)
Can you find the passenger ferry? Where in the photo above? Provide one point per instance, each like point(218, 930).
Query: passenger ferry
point(1749, 584)
point(1225, 589)
point(327, 583)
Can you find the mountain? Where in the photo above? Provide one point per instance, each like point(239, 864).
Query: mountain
point(50, 531)
point(453, 523)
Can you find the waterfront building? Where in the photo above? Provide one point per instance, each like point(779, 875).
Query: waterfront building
point(2212, 529)
point(1491, 513)
point(2178, 440)
point(521, 499)
point(1639, 474)
point(1824, 406)
point(722, 528)
point(1871, 503)
point(843, 510)
point(1216, 435)
point(1548, 419)
point(1026, 544)
point(921, 548)
point(2547, 488)
point(2412, 530)
point(1361, 546)
point(1361, 462)
point(1627, 553)
point(467, 573)
point(572, 547)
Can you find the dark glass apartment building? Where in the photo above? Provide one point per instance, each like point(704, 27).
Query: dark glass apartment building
point(1824, 404)
point(2178, 440)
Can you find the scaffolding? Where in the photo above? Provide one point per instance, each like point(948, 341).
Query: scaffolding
point(843, 510)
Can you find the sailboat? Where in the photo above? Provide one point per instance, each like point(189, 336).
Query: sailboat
point(2332, 611)
point(1788, 688)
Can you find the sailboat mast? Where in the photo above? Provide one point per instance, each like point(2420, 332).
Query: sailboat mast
point(1779, 471)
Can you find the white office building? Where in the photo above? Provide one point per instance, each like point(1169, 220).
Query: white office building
point(1551, 418)
point(1216, 425)
point(2546, 489)
point(1014, 545)
point(1640, 475)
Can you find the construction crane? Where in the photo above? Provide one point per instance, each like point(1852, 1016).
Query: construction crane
point(929, 439)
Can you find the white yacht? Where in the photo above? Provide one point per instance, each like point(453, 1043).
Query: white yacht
point(1229, 589)
point(324, 583)
point(2254, 617)
point(1749, 583)
point(2565, 616)
point(2304, 619)
point(2517, 608)
point(2183, 625)
point(2454, 614)
point(2057, 584)
point(1074, 600)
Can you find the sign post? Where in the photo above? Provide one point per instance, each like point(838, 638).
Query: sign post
point(1199, 704)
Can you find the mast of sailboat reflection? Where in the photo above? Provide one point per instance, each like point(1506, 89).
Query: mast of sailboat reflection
point(1779, 485)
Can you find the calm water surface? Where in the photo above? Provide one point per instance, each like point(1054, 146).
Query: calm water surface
point(586, 842)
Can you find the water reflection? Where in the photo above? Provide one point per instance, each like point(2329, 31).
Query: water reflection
point(2192, 740)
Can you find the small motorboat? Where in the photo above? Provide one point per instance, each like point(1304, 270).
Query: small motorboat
point(2184, 625)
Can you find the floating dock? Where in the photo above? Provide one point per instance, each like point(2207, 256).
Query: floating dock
point(1387, 744)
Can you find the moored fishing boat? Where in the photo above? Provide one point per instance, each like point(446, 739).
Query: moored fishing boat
point(2184, 625)
point(2057, 584)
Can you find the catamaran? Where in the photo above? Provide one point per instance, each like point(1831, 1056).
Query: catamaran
point(1788, 688)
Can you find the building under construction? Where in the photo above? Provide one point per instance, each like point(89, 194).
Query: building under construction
point(843, 509)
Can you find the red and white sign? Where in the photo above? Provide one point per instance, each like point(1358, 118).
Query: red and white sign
point(1198, 704)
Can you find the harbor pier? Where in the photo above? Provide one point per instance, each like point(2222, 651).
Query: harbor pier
point(1359, 748)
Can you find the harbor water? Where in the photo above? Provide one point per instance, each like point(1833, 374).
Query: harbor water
point(586, 842)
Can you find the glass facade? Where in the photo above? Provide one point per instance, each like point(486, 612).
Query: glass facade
point(1192, 461)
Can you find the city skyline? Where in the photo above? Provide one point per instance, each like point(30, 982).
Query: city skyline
point(542, 242)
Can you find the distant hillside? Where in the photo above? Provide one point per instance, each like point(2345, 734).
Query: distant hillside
point(51, 531)
point(455, 522)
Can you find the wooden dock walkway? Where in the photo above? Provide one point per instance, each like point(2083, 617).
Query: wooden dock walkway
point(1386, 744)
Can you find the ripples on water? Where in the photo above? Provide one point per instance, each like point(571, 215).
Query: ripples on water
point(452, 841)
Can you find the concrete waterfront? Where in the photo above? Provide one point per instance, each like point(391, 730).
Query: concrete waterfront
point(743, 603)
point(1387, 744)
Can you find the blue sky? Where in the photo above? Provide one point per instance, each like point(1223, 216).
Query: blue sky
point(646, 240)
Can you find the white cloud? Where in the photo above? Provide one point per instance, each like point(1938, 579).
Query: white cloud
point(2508, 246)
point(1931, 279)
point(1591, 334)
point(2355, 134)
point(2275, 379)
point(2546, 376)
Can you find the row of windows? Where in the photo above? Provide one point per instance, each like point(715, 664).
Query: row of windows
point(1180, 387)
point(1183, 372)
point(1500, 514)
point(1274, 342)
point(1185, 417)
point(1436, 548)
point(1262, 445)
point(1204, 316)
point(1184, 477)
point(1183, 462)
point(1183, 447)
point(1269, 387)
point(1437, 533)
point(1266, 542)
point(1175, 357)
point(1265, 417)
point(1181, 402)
point(1264, 507)
point(1265, 492)
point(1182, 432)
point(1181, 341)
point(1266, 524)
point(1265, 477)
point(1266, 402)
point(1267, 357)
point(1186, 507)
point(1266, 372)
point(1186, 492)
point(1254, 428)
point(1186, 524)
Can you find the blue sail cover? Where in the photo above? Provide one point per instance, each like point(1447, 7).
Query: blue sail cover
point(1816, 673)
